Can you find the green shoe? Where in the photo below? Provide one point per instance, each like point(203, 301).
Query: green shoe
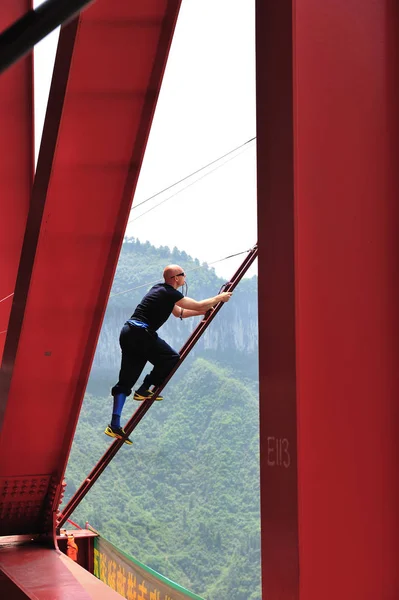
point(145, 395)
point(119, 433)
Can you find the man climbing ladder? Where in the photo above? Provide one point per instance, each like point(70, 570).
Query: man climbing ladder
point(140, 342)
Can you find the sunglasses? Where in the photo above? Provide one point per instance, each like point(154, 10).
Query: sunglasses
point(178, 275)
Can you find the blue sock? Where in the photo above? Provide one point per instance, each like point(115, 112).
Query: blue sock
point(119, 401)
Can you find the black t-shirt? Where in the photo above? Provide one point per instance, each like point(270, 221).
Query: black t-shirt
point(157, 305)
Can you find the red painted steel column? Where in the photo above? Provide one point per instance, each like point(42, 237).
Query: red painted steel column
point(329, 297)
point(16, 162)
point(279, 519)
point(347, 215)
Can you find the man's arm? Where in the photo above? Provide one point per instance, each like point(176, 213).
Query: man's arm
point(184, 313)
point(201, 306)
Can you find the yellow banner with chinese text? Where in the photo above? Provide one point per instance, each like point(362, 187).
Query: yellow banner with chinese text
point(131, 579)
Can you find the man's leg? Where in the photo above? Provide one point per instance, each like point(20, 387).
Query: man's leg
point(164, 358)
point(131, 367)
point(134, 349)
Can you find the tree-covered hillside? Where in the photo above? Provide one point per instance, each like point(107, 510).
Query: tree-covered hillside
point(184, 499)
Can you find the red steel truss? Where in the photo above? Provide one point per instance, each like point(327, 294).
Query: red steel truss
point(327, 133)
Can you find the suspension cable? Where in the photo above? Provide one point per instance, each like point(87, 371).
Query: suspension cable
point(5, 298)
point(187, 271)
point(2, 300)
point(184, 188)
point(194, 173)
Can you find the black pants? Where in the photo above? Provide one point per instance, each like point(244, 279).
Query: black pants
point(138, 346)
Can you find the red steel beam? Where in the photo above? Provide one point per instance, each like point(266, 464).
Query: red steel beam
point(16, 162)
point(346, 127)
point(146, 405)
point(107, 77)
point(276, 301)
point(42, 573)
point(328, 181)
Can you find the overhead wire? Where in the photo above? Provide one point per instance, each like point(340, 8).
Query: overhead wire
point(217, 160)
point(183, 189)
point(5, 298)
point(203, 266)
point(241, 147)
point(134, 219)
point(193, 173)
point(2, 300)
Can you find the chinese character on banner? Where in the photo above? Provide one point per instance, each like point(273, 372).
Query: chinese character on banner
point(96, 563)
point(131, 593)
point(155, 595)
point(111, 580)
point(121, 581)
point(167, 597)
point(103, 567)
point(142, 592)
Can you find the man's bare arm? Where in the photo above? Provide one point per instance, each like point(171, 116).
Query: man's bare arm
point(184, 313)
point(203, 305)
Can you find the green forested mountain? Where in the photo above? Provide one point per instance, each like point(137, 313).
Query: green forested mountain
point(184, 499)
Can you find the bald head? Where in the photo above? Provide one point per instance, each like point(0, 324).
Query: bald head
point(171, 271)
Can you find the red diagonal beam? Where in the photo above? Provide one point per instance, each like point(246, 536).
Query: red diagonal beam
point(106, 81)
point(16, 162)
point(146, 405)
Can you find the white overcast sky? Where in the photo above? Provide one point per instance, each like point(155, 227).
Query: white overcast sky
point(205, 109)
